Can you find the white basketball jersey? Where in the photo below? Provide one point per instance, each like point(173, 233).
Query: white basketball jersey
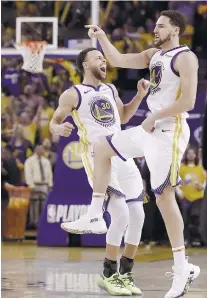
point(165, 88)
point(96, 114)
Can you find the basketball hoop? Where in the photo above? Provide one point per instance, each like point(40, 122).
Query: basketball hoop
point(33, 54)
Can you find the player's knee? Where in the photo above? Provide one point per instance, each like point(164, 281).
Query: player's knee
point(122, 219)
point(167, 195)
point(102, 148)
point(136, 222)
point(159, 200)
point(136, 214)
point(119, 223)
point(120, 215)
point(169, 192)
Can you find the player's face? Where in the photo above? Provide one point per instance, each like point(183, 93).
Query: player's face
point(164, 31)
point(97, 64)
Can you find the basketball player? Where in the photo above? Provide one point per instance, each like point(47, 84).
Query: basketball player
point(98, 111)
point(163, 136)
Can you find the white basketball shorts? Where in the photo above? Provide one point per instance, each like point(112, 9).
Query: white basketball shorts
point(125, 181)
point(163, 149)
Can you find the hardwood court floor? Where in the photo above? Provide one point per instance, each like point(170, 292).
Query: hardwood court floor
point(29, 271)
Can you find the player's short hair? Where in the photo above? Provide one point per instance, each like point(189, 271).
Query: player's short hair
point(81, 58)
point(176, 19)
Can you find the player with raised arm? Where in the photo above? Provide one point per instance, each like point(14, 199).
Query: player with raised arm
point(98, 112)
point(163, 136)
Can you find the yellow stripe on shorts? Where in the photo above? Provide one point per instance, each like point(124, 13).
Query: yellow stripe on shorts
point(176, 147)
point(84, 141)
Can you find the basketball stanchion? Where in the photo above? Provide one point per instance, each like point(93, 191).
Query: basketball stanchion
point(15, 216)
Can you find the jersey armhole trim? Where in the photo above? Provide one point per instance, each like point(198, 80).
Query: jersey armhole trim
point(173, 60)
point(79, 98)
point(153, 56)
point(112, 91)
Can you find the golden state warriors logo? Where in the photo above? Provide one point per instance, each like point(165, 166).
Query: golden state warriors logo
point(155, 77)
point(72, 155)
point(102, 111)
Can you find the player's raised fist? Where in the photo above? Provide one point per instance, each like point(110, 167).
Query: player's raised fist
point(95, 31)
point(65, 129)
point(143, 87)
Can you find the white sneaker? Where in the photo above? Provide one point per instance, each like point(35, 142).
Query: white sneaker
point(86, 225)
point(182, 280)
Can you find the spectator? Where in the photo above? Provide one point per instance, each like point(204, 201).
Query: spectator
point(194, 178)
point(22, 147)
point(54, 94)
point(64, 79)
point(5, 100)
point(203, 217)
point(46, 114)
point(200, 155)
point(6, 128)
point(25, 76)
point(30, 126)
point(186, 8)
point(39, 177)
point(10, 175)
point(11, 77)
point(204, 139)
point(8, 40)
point(41, 84)
point(48, 70)
point(32, 99)
point(4, 194)
point(9, 163)
point(47, 145)
point(118, 39)
point(200, 19)
point(38, 173)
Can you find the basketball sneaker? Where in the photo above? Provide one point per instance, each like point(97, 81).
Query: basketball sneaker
point(129, 284)
point(182, 280)
point(86, 225)
point(113, 285)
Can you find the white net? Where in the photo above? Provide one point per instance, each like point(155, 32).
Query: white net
point(33, 54)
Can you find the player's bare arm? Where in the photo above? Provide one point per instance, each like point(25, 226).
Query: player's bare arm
point(126, 112)
point(186, 64)
point(116, 59)
point(67, 102)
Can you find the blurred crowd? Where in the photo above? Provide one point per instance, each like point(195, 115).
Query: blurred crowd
point(29, 100)
point(129, 23)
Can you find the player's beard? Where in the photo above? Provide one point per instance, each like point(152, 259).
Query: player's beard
point(160, 41)
point(97, 74)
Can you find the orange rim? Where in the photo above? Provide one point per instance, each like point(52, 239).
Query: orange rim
point(34, 46)
point(31, 43)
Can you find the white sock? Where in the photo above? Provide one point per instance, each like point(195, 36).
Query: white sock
point(179, 257)
point(96, 207)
